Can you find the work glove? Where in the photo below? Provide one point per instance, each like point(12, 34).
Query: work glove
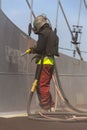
point(28, 51)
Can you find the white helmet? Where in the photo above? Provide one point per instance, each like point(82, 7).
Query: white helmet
point(39, 22)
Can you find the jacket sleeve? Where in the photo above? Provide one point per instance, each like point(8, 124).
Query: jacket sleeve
point(41, 45)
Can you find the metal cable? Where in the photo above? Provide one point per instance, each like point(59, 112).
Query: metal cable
point(57, 15)
point(79, 12)
point(65, 18)
point(85, 4)
point(0, 4)
point(76, 47)
point(30, 8)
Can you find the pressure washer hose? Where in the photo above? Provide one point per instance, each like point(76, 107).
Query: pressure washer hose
point(62, 95)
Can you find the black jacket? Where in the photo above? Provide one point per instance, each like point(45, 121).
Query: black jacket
point(47, 43)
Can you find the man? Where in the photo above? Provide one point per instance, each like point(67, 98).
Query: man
point(46, 48)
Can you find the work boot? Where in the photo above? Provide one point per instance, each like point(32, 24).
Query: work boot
point(52, 109)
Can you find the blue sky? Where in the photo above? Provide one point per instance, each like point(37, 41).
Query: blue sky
point(19, 13)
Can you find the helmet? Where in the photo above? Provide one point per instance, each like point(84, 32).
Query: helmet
point(39, 22)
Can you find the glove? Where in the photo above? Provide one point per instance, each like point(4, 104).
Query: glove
point(27, 51)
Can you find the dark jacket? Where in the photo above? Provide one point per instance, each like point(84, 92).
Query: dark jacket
point(47, 43)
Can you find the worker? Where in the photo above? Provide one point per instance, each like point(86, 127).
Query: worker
point(46, 48)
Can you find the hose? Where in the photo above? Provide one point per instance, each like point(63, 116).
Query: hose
point(63, 97)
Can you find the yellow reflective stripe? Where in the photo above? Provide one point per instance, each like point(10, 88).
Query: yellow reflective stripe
point(47, 60)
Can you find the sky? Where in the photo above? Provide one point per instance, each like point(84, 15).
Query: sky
point(20, 14)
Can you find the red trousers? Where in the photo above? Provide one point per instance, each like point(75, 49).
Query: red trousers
point(43, 88)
